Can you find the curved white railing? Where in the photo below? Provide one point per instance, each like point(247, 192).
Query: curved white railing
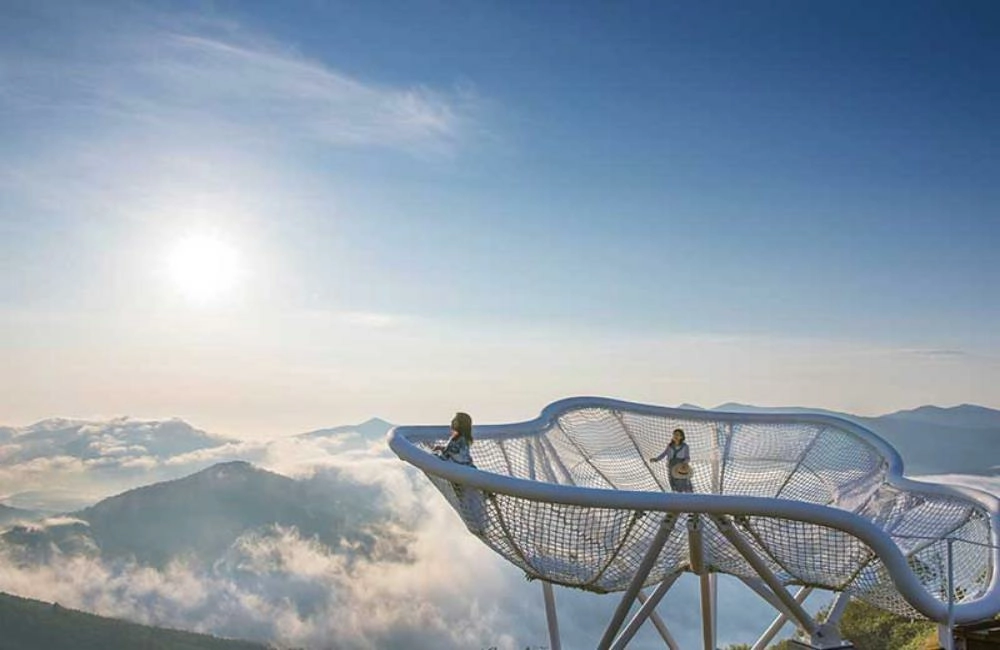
point(410, 443)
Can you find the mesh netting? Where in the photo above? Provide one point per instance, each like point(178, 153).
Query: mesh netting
point(600, 549)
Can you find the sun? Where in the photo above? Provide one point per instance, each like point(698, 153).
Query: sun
point(203, 268)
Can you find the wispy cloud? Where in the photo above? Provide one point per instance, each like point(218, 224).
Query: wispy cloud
point(988, 484)
point(143, 113)
point(935, 352)
point(257, 85)
point(237, 85)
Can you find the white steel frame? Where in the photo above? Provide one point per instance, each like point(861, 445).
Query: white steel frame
point(721, 509)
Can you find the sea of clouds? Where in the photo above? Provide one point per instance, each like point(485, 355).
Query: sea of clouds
point(447, 590)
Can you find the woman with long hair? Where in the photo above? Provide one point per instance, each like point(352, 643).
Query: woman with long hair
point(458, 447)
point(678, 457)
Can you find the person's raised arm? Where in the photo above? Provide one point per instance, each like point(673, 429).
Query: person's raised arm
point(441, 445)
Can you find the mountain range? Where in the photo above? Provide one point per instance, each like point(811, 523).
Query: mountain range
point(930, 439)
point(8, 515)
point(62, 465)
point(198, 518)
point(274, 546)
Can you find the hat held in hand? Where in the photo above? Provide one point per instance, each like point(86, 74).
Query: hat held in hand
point(681, 470)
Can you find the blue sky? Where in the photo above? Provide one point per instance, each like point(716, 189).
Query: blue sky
point(489, 206)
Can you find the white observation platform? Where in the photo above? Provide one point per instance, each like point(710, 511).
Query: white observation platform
point(781, 501)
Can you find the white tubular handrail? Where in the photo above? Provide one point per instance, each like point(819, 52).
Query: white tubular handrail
point(402, 442)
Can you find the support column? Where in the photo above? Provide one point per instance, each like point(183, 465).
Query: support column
point(658, 623)
point(779, 622)
point(648, 610)
point(640, 577)
point(800, 615)
point(708, 611)
point(946, 638)
point(837, 611)
point(714, 577)
point(550, 615)
point(699, 565)
point(761, 589)
point(696, 546)
point(950, 645)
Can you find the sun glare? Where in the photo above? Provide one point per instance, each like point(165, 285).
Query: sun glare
point(203, 268)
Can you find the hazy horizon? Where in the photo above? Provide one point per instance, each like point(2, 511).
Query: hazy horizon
point(138, 418)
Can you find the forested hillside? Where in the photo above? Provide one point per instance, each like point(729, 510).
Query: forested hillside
point(869, 628)
point(31, 624)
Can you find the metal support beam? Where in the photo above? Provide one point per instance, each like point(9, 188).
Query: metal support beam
point(550, 616)
point(660, 626)
point(714, 577)
point(725, 454)
point(946, 638)
point(779, 621)
point(950, 645)
point(696, 546)
point(708, 611)
point(635, 445)
point(837, 611)
point(584, 455)
point(798, 463)
point(700, 566)
point(640, 577)
point(648, 610)
point(761, 589)
point(554, 457)
point(800, 615)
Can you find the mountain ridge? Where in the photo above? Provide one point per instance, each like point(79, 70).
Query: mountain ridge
point(29, 623)
point(371, 428)
point(930, 439)
point(201, 515)
point(9, 514)
point(973, 415)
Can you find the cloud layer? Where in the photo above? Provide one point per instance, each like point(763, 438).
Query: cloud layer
point(273, 585)
point(446, 591)
point(170, 74)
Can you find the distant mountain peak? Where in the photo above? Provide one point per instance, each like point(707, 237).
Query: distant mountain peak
point(10, 514)
point(229, 468)
point(235, 464)
point(54, 424)
point(736, 407)
point(372, 428)
point(199, 517)
point(966, 415)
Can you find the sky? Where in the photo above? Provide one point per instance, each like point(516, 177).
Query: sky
point(266, 218)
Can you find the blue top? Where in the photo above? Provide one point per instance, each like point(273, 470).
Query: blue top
point(457, 450)
point(677, 455)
